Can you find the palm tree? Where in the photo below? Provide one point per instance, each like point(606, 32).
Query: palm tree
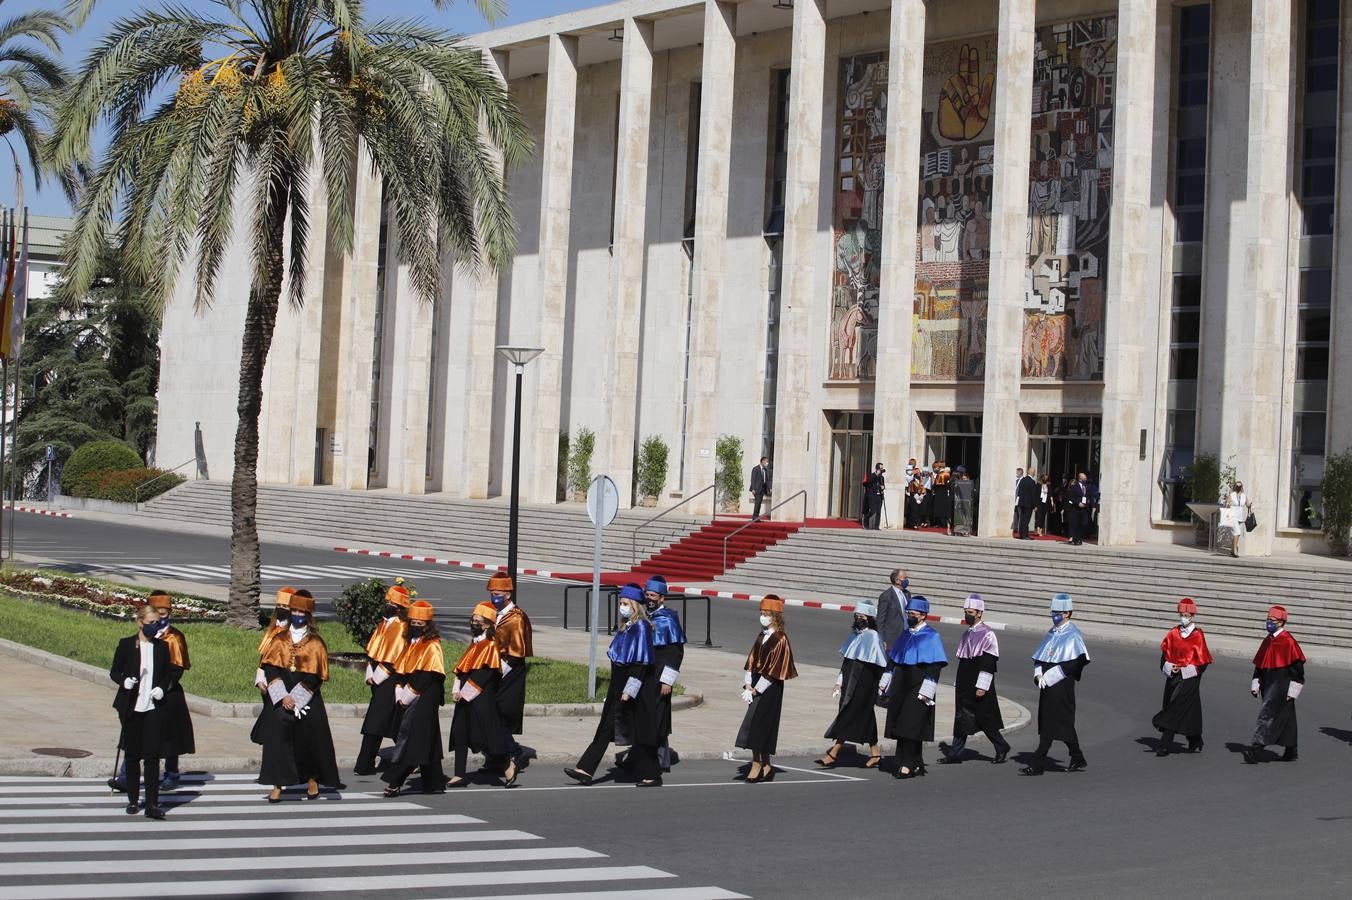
point(262, 97)
point(29, 78)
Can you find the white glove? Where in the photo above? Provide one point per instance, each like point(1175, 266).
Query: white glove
point(748, 696)
point(129, 682)
point(300, 711)
point(885, 682)
point(1167, 669)
point(1253, 687)
point(156, 693)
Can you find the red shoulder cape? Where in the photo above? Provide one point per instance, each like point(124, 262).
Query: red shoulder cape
point(1185, 651)
point(1278, 651)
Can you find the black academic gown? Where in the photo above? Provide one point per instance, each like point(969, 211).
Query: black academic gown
point(151, 734)
point(855, 721)
point(1056, 704)
point(382, 717)
point(418, 739)
point(1182, 707)
point(1277, 714)
point(976, 714)
point(667, 655)
point(476, 724)
point(909, 717)
point(634, 721)
point(295, 750)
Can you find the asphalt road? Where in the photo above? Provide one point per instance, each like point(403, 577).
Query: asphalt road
point(1204, 825)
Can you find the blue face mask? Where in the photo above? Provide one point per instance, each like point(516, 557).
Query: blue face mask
point(1273, 626)
point(150, 629)
point(298, 620)
point(905, 583)
point(499, 600)
point(163, 623)
point(1058, 618)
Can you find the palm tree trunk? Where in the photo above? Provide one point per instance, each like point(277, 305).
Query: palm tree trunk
point(259, 322)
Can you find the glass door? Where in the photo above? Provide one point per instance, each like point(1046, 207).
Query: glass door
point(851, 458)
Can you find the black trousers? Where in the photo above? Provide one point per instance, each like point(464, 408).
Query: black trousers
point(366, 757)
point(760, 498)
point(1079, 523)
point(151, 766)
point(909, 754)
point(1024, 514)
point(433, 777)
point(1044, 746)
point(959, 742)
point(642, 756)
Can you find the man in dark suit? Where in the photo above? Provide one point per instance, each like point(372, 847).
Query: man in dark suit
point(760, 485)
point(1026, 496)
point(874, 482)
point(892, 607)
point(1081, 497)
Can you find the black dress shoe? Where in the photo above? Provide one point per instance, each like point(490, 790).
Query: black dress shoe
point(154, 812)
point(1290, 755)
point(946, 760)
point(1250, 755)
point(1195, 746)
point(133, 808)
point(1000, 757)
point(1163, 751)
point(453, 784)
point(579, 776)
point(1077, 765)
point(652, 782)
point(364, 771)
point(1031, 770)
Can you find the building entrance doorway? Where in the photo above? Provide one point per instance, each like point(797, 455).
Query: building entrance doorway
point(1061, 446)
point(851, 456)
point(955, 439)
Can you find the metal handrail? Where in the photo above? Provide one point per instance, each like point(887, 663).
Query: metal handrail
point(732, 534)
point(633, 537)
point(136, 495)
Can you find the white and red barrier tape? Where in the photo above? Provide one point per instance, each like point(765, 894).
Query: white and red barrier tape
point(55, 513)
point(674, 588)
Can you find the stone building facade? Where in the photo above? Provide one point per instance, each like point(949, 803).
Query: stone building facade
point(1098, 234)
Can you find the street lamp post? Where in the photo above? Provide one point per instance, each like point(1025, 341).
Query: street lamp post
point(518, 357)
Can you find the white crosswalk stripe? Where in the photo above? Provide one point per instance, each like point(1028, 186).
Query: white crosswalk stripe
point(69, 838)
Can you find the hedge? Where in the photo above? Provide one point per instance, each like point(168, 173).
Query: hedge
point(99, 456)
point(122, 485)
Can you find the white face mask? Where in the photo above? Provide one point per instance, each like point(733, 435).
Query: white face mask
point(626, 611)
point(765, 621)
point(1184, 621)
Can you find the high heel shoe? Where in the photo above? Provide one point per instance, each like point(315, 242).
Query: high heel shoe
point(392, 791)
point(311, 789)
point(509, 777)
point(828, 760)
point(578, 775)
point(873, 762)
point(456, 782)
point(275, 795)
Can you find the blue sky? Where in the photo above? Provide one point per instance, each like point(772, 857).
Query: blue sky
point(462, 18)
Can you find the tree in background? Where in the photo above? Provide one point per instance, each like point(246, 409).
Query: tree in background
point(30, 77)
point(247, 106)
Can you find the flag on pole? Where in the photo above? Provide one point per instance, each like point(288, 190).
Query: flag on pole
point(18, 305)
point(9, 237)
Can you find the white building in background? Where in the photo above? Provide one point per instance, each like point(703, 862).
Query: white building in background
point(1059, 233)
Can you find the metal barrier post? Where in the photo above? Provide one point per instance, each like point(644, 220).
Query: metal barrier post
point(708, 621)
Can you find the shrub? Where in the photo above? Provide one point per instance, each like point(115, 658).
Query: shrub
point(123, 486)
point(1335, 491)
point(652, 466)
point(561, 483)
point(579, 460)
point(99, 456)
point(359, 607)
point(729, 477)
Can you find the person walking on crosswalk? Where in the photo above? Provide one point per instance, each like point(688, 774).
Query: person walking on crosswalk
point(419, 692)
point(512, 634)
point(477, 724)
point(386, 645)
point(293, 727)
point(178, 721)
point(143, 676)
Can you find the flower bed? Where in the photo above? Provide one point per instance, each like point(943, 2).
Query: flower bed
point(101, 598)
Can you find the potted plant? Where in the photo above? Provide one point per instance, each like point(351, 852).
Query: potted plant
point(652, 470)
point(1335, 490)
point(579, 463)
point(1205, 480)
point(729, 477)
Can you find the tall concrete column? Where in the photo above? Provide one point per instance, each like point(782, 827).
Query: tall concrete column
point(627, 255)
point(541, 416)
point(410, 372)
point(1003, 436)
point(892, 414)
point(794, 463)
point(1340, 340)
point(711, 237)
point(1130, 249)
point(1245, 307)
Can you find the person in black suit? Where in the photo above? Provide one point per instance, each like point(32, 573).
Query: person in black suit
point(892, 607)
point(760, 485)
point(1081, 498)
point(874, 482)
point(1026, 495)
point(143, 677)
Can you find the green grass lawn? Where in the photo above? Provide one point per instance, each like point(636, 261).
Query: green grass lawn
point(224, 657)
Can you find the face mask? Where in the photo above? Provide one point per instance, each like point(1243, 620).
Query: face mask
point(626, 611)
point(298, 620)
point(390, 611)
point(914, 621)
point(1273, 626)
point(765, 621)
point(282, 615)
point(905, 583)
point(1184, 621)
point(163, 623)
point(150, 629)
point(652, 604)
point(476, 629)
point(969, 618)
point(1058, 618)
point(417, 630)
point(499, 600)
point(860, 625)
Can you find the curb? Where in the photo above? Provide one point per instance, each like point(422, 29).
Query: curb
point(217, 709)
point(38, 512)
point(674, 588)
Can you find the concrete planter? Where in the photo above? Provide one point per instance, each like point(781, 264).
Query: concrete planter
point(89, 503)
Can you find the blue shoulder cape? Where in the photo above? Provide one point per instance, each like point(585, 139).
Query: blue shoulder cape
point(919, 648)
point(1062, 644)
point(632, 645)
point(865, 646)
point(666, 627)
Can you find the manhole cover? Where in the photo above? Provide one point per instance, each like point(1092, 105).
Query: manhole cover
point(66, 752)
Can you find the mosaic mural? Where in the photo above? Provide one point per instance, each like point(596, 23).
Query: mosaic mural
point(1069, 199)
point(953, 245)
point(861, 132)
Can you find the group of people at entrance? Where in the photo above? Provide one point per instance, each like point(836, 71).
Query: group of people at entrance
point(1046, 508)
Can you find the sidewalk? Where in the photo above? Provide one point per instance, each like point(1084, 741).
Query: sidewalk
point(63, 711)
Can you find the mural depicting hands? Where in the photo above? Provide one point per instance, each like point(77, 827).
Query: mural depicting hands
point(965, 98)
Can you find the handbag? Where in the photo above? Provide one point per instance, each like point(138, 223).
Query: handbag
point(1251, 522)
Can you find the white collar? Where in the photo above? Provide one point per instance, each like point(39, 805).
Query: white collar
point(916, 629)
point(506, 608)
point(1188, 629)
point(389, 619)
point(1062, 626)
point(298, 634)
point(1280, 629)
point(479, 638)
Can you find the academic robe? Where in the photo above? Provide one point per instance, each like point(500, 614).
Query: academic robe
point(668, 652)
point(422, 669)
point(1059, 660)
point(296, 749)
point(1186, 658)
point(862, 666)
point(512, 634)
point(978, 659)
point(476, 723)
point(383, 650)
point(178, 721)
point(147, 735)
point(635, 721)
point(1279, 676)
point(915, 660)
point(768, 665)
